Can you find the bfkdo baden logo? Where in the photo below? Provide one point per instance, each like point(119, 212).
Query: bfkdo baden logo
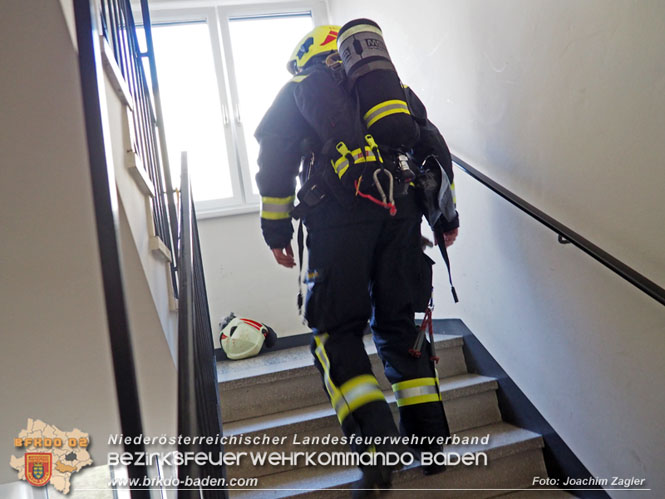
point(38, 468)
point(51, 455)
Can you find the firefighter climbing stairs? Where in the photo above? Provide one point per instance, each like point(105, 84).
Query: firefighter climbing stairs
point(277, 401)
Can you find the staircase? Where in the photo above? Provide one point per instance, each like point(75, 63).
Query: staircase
point(280, 395)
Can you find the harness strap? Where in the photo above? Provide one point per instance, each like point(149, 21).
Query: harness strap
point(301, 249)
point(444, 254)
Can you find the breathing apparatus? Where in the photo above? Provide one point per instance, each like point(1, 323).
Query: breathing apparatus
point(372, 76)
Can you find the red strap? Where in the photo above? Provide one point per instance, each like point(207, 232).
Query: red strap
point(426, 324)
point(388, 206)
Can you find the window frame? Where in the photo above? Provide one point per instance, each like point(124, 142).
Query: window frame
point(217, 15)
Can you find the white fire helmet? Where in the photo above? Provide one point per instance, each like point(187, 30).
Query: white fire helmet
point(242, 338)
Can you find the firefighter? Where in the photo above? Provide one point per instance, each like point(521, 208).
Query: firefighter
point(366, 262)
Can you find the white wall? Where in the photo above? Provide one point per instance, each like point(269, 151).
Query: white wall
point(564, 103)
point(137, 209)
point(242, 276)
point(55, 362)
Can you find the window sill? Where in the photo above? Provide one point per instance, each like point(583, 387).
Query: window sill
point(227, 211)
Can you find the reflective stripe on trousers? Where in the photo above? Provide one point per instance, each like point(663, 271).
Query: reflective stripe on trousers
point(354, 393)
point(417, 391)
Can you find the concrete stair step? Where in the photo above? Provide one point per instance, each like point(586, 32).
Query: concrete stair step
point(287, 379)
point(514, 458)
point(469, 399)
point(452, 388)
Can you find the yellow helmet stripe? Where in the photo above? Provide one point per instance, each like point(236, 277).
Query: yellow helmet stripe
point(320, 40)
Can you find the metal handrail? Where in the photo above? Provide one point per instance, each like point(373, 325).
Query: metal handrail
point(107, 222)
point(567, 235)
point(198, 396)
point(187, 423)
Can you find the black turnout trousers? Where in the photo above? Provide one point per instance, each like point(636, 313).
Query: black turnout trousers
point(365, 265)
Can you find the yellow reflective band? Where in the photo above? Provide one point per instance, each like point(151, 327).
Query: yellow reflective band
point(353, 383)
point(270, 200)
point(419, 399)
point(320, 350)
point(274, 216)
point(384, 109)
point(273, 208)
point(343, 170)
point(417, 391)
point(452, 188)
point(413, 383)
point(342, 164)
point(299, 78)
point(356, 393)
point(358, 29)
point(320, 353)
point(373, 396)
point(358, 156)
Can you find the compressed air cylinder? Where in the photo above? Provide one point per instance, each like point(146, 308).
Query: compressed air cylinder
point(371, 72)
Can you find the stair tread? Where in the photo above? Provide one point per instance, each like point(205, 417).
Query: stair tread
point(271, 363)
point(451, 388)
point(505, 440)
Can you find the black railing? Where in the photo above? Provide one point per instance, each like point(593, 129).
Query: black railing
point(168, 183)
point(199, 412)
point(107, 221)
point(198, 397)
point(567, 235)
point(119, 30)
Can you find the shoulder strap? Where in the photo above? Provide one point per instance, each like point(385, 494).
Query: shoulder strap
point(444, 253)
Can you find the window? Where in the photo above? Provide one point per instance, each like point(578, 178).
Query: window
point(219, 69)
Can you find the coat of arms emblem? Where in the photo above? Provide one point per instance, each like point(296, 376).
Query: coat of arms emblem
point(38, 466)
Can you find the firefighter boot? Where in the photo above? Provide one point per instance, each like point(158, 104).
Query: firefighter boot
point(378, 477)
point(433, 467)
point(374, 480)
